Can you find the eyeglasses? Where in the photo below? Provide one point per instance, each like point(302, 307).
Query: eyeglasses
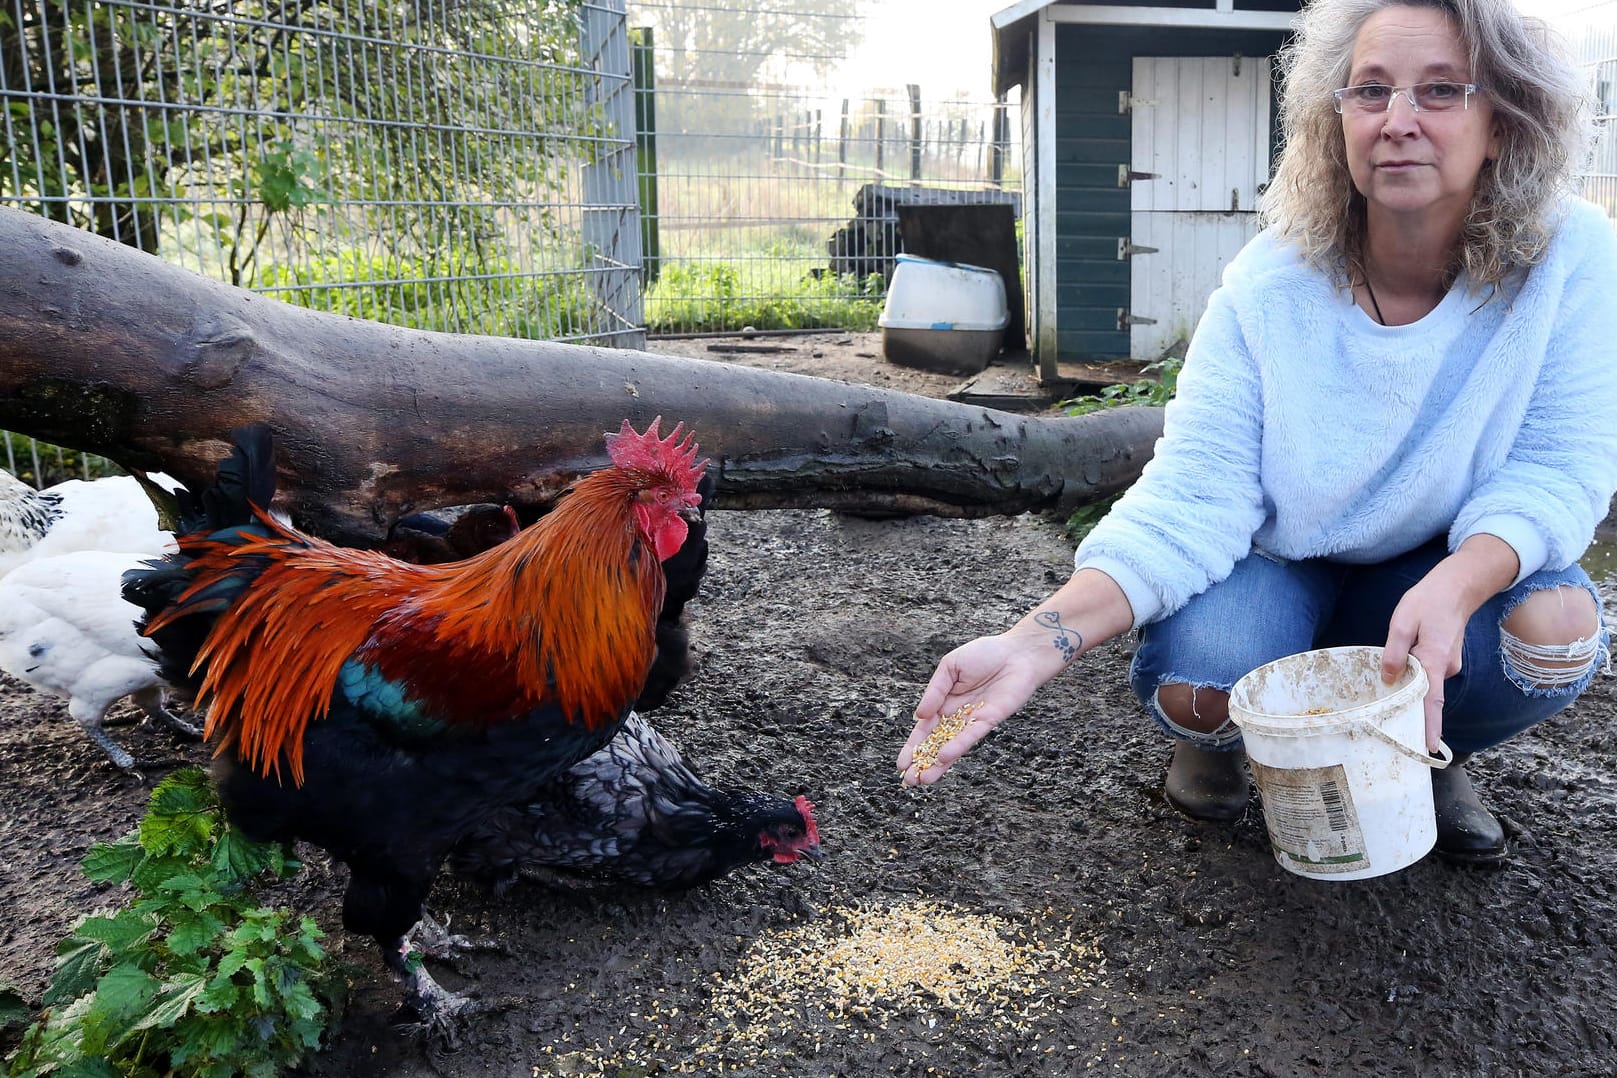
point(1422, 97)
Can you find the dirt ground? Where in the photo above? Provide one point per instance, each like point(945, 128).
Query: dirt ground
point(1069, 919)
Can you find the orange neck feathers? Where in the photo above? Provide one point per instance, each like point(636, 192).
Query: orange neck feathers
point(560, 616)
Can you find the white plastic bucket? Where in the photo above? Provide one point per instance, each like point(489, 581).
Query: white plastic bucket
point(1340, 762)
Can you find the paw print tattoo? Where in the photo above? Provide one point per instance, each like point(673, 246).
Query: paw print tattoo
point(1067, 641)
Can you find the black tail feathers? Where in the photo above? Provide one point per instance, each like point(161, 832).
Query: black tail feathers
point(244, 479)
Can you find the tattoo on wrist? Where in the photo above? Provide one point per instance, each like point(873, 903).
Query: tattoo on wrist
point(1067, 641)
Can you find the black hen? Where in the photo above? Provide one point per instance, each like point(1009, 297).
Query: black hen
point(636, 813)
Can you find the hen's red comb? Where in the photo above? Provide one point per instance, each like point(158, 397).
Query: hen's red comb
point(806, 807)
point(647, 452)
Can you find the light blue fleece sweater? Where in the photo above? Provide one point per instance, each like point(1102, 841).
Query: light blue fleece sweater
point(1304, 429)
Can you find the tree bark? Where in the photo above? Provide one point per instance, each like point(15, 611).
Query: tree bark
point(109, 350)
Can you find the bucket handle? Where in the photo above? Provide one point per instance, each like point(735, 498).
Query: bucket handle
point(1444, 758)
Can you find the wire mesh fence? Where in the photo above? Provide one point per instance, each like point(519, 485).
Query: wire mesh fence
point(455, 165)
point(1591, 30)
point(446, 164)
point(768, 189)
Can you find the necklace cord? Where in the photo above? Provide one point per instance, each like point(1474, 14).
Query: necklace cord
point(1372, 293)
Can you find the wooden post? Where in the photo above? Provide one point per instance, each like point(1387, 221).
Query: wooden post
point(881, 134)
point(1002, 138)
point(842, 142)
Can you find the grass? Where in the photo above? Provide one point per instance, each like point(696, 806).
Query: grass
point(768, 294)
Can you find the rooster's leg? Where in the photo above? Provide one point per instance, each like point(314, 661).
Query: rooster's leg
point(433, 939)
point(442, 1014)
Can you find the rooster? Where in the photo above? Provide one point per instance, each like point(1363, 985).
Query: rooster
point(379, 709)
point(635, 813)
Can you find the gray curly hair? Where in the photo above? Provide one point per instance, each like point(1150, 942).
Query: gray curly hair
point(1540, 101)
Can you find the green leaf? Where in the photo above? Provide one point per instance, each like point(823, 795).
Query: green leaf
point(237, 857)
point(193, 931)
point(113, 862)
point(14, 1010)
point(232, 961)
point(122, 993)
point(78, 965)
point(119, 932)
point(221, 995)
point(172, 1002)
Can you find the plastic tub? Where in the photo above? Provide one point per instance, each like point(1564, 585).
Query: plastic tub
point(943, 316)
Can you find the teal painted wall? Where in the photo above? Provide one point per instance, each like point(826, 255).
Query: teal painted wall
point(1094, 64)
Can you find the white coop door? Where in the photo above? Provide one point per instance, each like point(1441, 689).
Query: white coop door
point(1201, 137)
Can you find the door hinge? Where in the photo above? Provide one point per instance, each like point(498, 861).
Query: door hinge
point(1126, 175)
point(1127, 249)
point(1125, 319)
point(1235, 65)
point(1127, 102)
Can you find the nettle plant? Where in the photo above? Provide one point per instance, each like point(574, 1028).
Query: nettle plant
point(192, 977)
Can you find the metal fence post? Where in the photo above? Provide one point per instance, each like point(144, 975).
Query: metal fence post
point(611, 215)
point(645, 126)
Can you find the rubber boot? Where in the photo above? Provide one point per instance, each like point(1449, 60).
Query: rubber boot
point(1467, 833)
point(1207, 784)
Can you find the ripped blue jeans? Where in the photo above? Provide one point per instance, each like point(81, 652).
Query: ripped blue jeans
point(1268, 608)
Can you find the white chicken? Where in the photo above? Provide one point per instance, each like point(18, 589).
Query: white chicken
point(66, 630)
point(113, 514)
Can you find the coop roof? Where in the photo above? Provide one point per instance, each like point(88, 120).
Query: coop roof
point(1013, 27)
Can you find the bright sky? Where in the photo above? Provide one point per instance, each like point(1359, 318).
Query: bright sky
point(944, 45)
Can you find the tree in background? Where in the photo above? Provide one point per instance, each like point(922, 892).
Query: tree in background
point(437, 130)
point(740, 50)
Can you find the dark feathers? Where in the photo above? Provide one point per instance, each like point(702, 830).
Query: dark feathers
point(635, 813)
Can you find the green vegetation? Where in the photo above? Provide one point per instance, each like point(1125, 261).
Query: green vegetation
point(145, 136)
point(485, 295)
point(1154, 390)
point(41, 465)
point(714, 296)
point(191, 978)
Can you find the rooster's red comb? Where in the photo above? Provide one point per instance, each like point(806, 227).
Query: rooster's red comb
point(648, 452)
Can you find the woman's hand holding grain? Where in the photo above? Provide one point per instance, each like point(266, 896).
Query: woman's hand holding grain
point(987, 680)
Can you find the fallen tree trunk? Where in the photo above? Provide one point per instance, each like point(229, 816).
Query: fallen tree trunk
point(109, 350)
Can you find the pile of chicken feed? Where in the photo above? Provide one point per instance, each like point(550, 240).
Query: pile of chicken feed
point(854, 972)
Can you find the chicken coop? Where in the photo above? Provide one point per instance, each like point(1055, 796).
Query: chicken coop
point(1147, 136)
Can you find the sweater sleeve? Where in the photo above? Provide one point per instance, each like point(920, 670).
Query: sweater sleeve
point(1558, 476)
point(1182, 526)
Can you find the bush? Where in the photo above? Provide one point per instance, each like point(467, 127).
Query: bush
point(192, 978)
point(453, 293)
point(41, 465)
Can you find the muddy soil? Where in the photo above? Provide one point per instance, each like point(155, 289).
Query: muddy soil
point(1083, 924)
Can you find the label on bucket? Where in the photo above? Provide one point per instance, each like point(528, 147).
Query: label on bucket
point(1312, 823)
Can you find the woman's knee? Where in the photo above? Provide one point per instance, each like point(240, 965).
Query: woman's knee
point(1552, 638)
point(1199, 708)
